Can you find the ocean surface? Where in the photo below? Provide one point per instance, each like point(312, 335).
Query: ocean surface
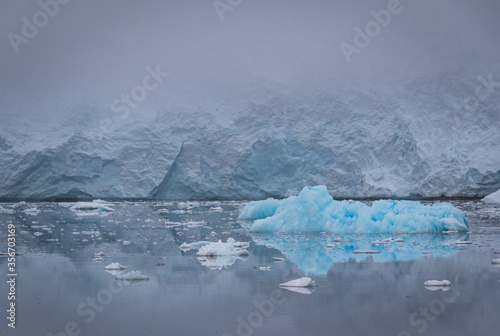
point(62, 287)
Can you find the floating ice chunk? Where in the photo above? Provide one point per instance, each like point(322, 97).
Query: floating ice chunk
point(192, 246)
point(278, 259)
point(96, 206)
point(495, 261)
point(37, 233)
point(314, 210)
point(115, 267)
point(330, 246)
point(463, 242)
point(6, 211)
point(493, 198)
point(223, 249)
point(300, 290)
point(365, 252)
point(437, 283)
point(188, 205)
point(32, 211)
point(126, 242)
point(399, 240)
point(301, 282)
point(221, 255)
point(265, 268)
point(131, 276)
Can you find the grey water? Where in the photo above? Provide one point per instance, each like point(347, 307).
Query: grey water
point(63, 288)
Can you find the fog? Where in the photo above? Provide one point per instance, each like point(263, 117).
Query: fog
point(102, 48)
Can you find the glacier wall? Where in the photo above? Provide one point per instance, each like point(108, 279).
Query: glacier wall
point(417, 142)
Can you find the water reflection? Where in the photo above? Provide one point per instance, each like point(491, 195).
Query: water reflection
point(315, 253)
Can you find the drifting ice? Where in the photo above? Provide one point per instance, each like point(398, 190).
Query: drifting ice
point(131, 276)
point(301, 282)
point(493, 198)
point(115, 267)
point(314, 210)
point(91, 206)
point(437, 283)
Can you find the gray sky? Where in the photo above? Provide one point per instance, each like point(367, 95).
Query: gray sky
point(103, 47)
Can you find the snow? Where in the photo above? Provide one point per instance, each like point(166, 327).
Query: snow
point(115, 267)
point(301, 282)
point(437, 283)
point(314, 210)
point(493, 198)
point(131, 276)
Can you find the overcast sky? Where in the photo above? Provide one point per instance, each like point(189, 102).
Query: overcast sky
point(105, 46)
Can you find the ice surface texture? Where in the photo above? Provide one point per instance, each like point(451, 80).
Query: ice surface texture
point(265, 141)
point(314, 210)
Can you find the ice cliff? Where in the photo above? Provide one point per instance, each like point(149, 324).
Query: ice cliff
point(267, 140)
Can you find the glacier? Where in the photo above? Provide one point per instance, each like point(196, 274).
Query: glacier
point(265, 140)
point(314, 210)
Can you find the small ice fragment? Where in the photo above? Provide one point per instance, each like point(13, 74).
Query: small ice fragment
point(126, 242)
point(399, 240)
point(461, 242)
point(495, 261)
point(265, 268)
point(300, 290)
point(131, 276)
point(115, 267)
point(437, 283)
point(37, 233)
point(330, 246)
point(270, 246)
point(100, 254)
point(278, 259)
point(98, 259)
point(365, 252)
point(301, 282)
point(338, 240)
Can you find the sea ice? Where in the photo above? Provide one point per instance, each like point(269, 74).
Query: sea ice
point(96, 205)
point(314, 210)
point(437, 283)
point(115, 267)
point(131, 276)
point(493, 198)
point(229, 248)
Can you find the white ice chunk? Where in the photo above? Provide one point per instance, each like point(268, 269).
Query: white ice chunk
point(95, 206)
point(115, 267)
point(493, 198)
point(131, 276)
point(301, 282)
point(437, 283)
point(495, 261)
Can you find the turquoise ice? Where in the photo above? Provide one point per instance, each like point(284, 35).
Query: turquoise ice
point(314, 210)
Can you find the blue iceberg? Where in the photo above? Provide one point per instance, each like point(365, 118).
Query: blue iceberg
point(314, 210)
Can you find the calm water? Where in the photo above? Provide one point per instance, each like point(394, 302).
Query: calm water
point(61, 286)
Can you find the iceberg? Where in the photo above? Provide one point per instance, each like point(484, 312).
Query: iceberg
point(493, 198)
point(314, 210)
